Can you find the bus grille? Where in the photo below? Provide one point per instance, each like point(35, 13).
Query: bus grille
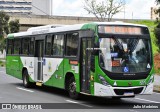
point(134, 90)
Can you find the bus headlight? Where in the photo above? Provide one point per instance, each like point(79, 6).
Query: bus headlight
point(103, 81)
point(151, 79)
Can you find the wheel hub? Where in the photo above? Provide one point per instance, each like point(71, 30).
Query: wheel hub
point(72, 87)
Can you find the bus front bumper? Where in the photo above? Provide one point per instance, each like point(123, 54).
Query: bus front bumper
point(101, 90)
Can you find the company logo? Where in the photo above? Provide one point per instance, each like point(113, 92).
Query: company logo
point(142, 82)
point(6, 106)
point(49, 67)
point(31, 65)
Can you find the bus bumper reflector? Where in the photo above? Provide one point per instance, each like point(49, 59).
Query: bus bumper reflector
point(39, 83)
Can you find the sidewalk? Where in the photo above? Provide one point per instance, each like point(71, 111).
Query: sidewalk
point(156, 83)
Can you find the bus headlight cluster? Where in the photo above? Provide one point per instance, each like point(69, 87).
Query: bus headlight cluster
point(103, 81)
point(151, 80)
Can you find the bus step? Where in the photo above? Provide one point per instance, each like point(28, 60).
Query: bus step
point(39, 83)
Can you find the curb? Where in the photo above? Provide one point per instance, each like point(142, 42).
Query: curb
point(156, 88)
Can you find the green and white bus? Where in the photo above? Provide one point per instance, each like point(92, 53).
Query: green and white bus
point(100, 59)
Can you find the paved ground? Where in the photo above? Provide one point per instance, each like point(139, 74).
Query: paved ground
point(157, 80)
point(12, 91)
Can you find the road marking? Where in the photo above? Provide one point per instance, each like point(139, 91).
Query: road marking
point(133, 110)
point(24, 89)
point(79, 103)
point(71, 101)
point(147, 100)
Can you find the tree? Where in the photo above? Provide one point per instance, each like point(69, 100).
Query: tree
point(104, 9)
point(157, 34)
point(6, 27)
point(157, 11)
point(14, 26)
point(157, 29)
point(4, 18)
point(158, 2)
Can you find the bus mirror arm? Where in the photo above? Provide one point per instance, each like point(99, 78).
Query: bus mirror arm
point(95, 50)
point(92, 62)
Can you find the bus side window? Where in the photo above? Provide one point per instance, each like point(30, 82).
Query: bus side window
point(58, 45)
point(31, 49)
point(9, 46)
point(25, 46)
point(72, 44)
point(48, 45)
point(17, 45)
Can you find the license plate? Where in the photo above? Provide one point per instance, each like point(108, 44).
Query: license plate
point(128, 94)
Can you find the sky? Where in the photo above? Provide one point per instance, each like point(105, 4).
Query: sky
point(134, 9)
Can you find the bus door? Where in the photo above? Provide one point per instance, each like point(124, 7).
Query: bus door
point(85, 64)
point(39, 56)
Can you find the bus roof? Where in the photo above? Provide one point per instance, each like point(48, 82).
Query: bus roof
point(64, 28)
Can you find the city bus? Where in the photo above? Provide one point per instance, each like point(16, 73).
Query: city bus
point(106, 59)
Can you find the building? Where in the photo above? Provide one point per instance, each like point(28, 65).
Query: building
point(16, 6)
point(41, 7)
point(35, 7)
point(154, 14)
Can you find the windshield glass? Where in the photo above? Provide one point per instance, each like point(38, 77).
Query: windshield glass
point(125, 55)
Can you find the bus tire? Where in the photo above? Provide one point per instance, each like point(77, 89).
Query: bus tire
point(72, 89)
point(116, 98)
point(26, 82)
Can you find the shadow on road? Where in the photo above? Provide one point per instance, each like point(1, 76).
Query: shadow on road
point(97, 101)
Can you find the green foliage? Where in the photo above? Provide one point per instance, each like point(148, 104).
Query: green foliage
point(4, 18)
point(2, 62)
point(151, 25)
point(2, 44)
point(14, 26)
point(4, 29)
point(103, 9)
point(5, 25)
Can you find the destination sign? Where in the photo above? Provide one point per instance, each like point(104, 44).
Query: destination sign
point(121, 30)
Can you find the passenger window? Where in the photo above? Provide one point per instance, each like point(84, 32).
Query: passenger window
point(9, 46)
point(25, 46)
point(31, 51)
point(48, 45)
point(72, 44)
point(17, 46)
point(58, 45)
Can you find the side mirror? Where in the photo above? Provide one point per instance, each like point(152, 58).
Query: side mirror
point(95, 50)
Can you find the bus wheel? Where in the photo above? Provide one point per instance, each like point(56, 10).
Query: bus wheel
point(26, 82)
point(116, 98)
point(72, 89)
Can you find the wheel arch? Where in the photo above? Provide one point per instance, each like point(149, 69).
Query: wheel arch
point(68, 75)
point(23, 69)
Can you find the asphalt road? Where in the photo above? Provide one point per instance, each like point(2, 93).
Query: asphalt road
point(12, 91)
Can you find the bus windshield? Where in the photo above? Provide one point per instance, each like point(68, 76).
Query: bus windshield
point(125, 55)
